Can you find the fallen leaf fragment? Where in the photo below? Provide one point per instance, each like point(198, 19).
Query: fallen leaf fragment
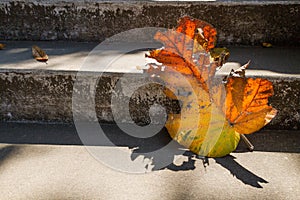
point(266, 44)
point(2, 46)
point(39, 54)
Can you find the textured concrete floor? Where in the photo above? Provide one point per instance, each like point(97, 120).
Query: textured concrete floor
point(56, 166)
point(70, 172)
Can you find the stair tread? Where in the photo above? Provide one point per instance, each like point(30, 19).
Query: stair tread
point(70, 56)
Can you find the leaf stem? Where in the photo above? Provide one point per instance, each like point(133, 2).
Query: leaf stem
point(247, 142)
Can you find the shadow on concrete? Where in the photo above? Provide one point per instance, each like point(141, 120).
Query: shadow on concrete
point(227, 162)
point(6, 152)
point(24, 133)
point(277, 59)
point(66, 134)
point(241, 173)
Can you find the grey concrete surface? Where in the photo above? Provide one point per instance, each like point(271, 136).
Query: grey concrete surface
point(70, 56)
point(42, 171)
point(36, 91)
point(238, 22)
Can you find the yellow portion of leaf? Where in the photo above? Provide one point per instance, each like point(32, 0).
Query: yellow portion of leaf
point(201, 126)
point(227, 142)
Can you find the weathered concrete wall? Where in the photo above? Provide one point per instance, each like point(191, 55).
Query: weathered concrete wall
point(47, 96)
point(237, 23)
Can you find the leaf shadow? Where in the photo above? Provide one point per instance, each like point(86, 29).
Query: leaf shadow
point(186, 165)
point(228, 162)
point(58, 134)
point(240, 172)
point(6, 152)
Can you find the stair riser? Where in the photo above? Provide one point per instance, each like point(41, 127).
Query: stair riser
point(47, 96)
point(237, 23)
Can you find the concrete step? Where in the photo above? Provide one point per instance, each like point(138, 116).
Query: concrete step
point(238, 22)
point(47, 161)
point(35, 91)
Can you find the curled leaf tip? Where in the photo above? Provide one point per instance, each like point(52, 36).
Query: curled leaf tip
point(240, 72)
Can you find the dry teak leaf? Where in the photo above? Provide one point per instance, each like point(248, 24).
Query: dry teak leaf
point(39, 54)
point(215, 113)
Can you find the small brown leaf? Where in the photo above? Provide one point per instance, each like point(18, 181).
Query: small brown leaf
point(2, 46)
point(39, 54)
point(266, 45)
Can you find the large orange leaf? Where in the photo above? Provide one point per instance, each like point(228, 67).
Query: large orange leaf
point(213, 114)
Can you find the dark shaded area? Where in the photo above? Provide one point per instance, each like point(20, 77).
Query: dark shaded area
point(36, 133)
point(144, 145)
point(6, 152)
point(267, 58)
point(241, 173)
point(65, 134)
point(273, 141)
